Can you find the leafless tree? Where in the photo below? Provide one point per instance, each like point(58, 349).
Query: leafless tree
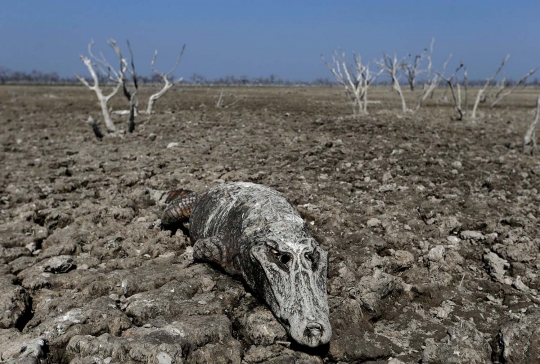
point(529, 140)
point(456, 97)
point(412, 70)
point(391, 66)
point(166, 78)
point(132, 96)
point(106, 69)
point(432, 79)
point(355, 78)
point(221, 103)
point(483, 89)
point(500, 94)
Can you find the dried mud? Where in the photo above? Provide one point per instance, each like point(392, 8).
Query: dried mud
point(432, 228)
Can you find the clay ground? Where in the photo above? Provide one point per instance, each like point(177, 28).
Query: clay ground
point(431, 224)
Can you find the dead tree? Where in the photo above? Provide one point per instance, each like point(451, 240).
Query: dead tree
point(529, 140)
point(412, 70)
point(106, 69)
point(355, 78)
point(220, 103)
point(431, 81)
point(131, 96)
point(392, 67)
point(483, 89)
point(450, 82)
point(166, 78)
point(500, 94)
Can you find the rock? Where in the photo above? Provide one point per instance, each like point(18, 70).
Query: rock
point(448, 225)
point(372, 289)
point(497, 266)
point(59, 264)
point(219, 353)
point(14, 303)
point(387, 177)
point(388, 187)
point(172, 145)
point(518, 284)
point(374, 222)
point(110, 349)
point(198, 339)
point(436, 254)
point(257, 354)
point(360, 347)
point(457, 164)
point(519, 342)
point(472, 235)
point(463, 344)
point(453, 239)
point(18, 348)
point(522, 252)
point(403, 259)
point(260, 327)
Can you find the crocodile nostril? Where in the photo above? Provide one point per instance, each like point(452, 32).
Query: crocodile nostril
point(314, 329)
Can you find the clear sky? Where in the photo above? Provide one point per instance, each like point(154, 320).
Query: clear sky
point(260, 37)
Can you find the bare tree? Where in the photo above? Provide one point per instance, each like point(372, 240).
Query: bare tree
point(355, 78)
point(412, 70)
point(432, 81)
point(220, 103)
point(391, 66)
point(132, 96)
point(106, 69)
point(166, 78)
point(500, 94)
point(483, 89)
point(450, 82)
point(529, 140)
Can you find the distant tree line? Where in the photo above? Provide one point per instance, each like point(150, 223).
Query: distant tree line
point(36, 77)
point(8, 76)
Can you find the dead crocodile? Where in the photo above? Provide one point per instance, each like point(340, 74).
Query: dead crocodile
point(252, 231)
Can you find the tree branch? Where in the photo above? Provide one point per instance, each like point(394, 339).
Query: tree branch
point(483, 89)
point(165, 76)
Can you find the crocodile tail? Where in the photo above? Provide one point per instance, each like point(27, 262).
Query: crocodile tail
point(180, 204)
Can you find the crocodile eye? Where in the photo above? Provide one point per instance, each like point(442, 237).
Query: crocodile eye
point(283, 258)
point(312, 258)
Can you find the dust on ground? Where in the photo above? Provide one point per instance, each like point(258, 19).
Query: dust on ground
point(431, 227)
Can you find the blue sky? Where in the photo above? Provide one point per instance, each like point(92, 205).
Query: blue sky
point(260, 37)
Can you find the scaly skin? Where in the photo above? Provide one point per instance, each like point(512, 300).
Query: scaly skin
point(252, 231)
point(179, 208)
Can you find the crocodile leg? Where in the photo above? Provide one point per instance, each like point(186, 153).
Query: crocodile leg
point(212, 250)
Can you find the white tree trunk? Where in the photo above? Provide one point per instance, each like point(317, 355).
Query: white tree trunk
point(165, 76)
point(529, 140)
point(103, 102)
point(483, 89)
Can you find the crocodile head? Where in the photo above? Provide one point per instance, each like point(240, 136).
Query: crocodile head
point(288, 269)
